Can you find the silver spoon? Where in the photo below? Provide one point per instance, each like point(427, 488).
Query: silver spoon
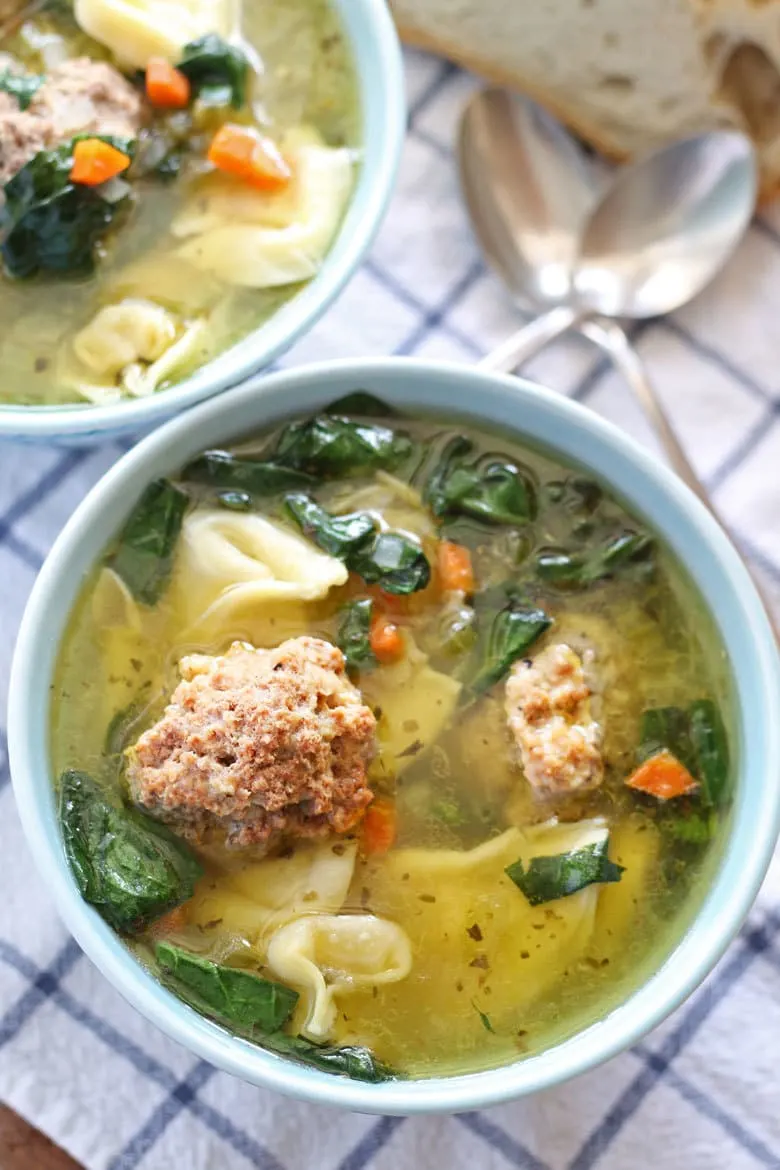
point(657, 237)
point(534, 204)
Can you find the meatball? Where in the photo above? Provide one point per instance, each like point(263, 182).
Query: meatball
point(260, 745)
point(85, 96)
point(22, 135)
point(548, 711)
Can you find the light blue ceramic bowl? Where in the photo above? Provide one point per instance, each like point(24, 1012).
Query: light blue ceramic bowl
point(544, 418)
point(377, 55)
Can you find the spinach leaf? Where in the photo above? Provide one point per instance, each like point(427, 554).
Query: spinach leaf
point(147, 543)
point(130, 868)
point(392, 560)
point(22, 86)
point(562, 874)
point(52, 224)
point(353, 638)
point(710, 749)
point(492, 489)
point(257, 477)
point(691, 829)
point(236, 997)
point(579, 570)
point(512, 631)
point(329, 445)
point(341, 536)
point(666, 728)
point(363, 404)
point(117, 730)
point(353, 1061)
point(210, 62)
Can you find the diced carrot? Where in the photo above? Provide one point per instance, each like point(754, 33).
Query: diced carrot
point(379, 827)
point(96, 161)
point(662, 776)
point(167, 88)
point(385, 639)
point(241, 151)
point(170, 923)
point(455, 568)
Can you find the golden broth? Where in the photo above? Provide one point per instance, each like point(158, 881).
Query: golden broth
point(492, 978)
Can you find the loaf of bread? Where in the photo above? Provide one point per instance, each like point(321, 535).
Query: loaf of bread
point(626, 75)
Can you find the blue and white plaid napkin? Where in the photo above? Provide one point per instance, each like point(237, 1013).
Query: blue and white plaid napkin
point(701, 1093)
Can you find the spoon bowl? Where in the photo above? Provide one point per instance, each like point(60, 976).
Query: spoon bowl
point(529, 191)
point(667, 226)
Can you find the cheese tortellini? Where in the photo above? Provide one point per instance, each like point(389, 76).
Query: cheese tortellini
point(258, 897)
point(135, 30)
point(255, 239)
point(327, 955)
point(416, 703)
point(229, 563)
point(130, 348)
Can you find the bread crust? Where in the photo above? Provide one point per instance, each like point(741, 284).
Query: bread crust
point(594, 135)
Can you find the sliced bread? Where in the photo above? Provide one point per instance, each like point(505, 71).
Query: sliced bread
point(626, 75)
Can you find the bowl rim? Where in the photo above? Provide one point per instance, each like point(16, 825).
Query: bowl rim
point(378, 63)
point(526, 408)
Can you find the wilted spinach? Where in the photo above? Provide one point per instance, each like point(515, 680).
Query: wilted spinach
point(130, 868)
point(341, 536)
point(245, 1001)
point(330, 446)
point(491, 488)
point(557, 876)
point(212, 65)
point(22, 86)
point(392, 560)
point(222, 472)
point(361, 403)
point(578, 570)
point(353, 1061)
point(354, 635)
point(52, 224)
point(511, 632)
point(147, 544)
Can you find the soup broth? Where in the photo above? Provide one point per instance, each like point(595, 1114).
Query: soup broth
point(535, 843)
point(196, 256)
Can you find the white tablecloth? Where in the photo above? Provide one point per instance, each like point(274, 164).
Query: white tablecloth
point(701, 1093)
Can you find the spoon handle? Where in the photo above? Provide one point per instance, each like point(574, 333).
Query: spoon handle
point(531, 339)
point(614, 341)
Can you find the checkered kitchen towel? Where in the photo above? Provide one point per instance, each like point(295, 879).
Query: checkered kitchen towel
point(701, 1093)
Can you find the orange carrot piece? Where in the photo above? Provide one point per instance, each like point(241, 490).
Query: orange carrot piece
point(167, 88)
point(378, 828)
point(170, 923)
point(455, 568)
point(385, 639)
point(96, 161)
point(242, 152)
point(662, 776)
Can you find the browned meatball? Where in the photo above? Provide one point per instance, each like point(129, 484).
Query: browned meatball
point(85, 96)
point(21, 137)
point(263, 745)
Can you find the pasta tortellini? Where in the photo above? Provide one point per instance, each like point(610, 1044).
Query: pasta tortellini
point(326, 955)
point(256, 898)
point(119, 334)
point(253, 239)
point(229, 563)
point(135, 30)
point(130, 347)
point(416, 702)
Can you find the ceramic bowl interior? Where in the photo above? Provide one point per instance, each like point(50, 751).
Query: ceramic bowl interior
point(377, 57)
point(575, 434)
